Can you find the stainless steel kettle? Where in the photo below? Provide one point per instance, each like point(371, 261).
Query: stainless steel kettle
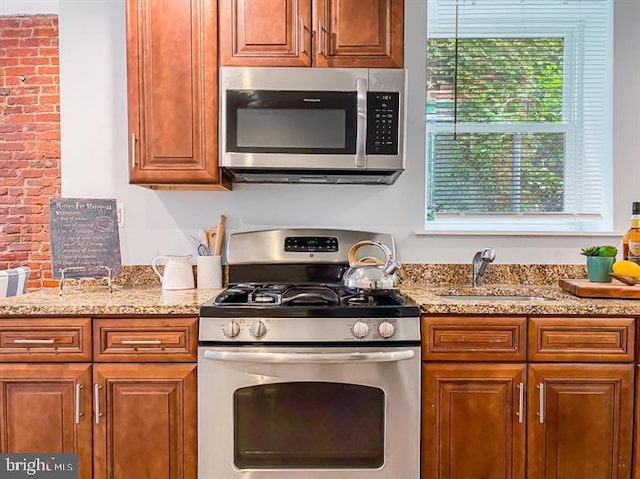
point(371, 273)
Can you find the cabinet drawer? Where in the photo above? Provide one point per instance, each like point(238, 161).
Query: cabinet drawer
point(45, 339)
point(474, 338)
point(142, 339)
point(581, 339)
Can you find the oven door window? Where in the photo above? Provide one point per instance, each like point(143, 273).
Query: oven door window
point(264, 121)
point(309, 425)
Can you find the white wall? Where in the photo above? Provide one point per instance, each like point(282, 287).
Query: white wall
point(28, 7)
point(94, 158)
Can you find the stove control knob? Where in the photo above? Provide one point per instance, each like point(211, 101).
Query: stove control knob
point(258, 329)
point(386, 329)
point(231, 329)
point(360, 330)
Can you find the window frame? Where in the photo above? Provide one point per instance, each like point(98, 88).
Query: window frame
point(572, 115)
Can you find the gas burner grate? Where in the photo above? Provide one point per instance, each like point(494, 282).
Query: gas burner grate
point(284, 295)
point(362, 298)
point(311, 296)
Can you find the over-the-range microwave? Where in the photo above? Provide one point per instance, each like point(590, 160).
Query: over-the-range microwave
point(312, 125)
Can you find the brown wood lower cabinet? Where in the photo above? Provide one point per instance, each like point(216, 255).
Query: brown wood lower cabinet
point(46, 408)
point(473, 421)
point(145, 421)
point(491, 409)
point(124, 420)
point(580, 421)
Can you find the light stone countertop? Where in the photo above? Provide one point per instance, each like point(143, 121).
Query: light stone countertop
point(97, 301)
point(433, 299)
point(151, 300)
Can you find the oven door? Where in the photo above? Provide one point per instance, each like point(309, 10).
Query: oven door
point(267, 413)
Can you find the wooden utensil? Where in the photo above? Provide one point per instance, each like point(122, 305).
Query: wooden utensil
point(215, 236)
point(625, 279)
point(211, 238)
point(217, 248)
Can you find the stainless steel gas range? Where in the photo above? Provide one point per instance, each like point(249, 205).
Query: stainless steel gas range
point(299, 377)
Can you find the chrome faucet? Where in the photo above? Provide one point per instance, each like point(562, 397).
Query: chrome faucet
point(480, 263)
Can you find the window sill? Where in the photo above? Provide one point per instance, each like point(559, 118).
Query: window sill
point(559, 234)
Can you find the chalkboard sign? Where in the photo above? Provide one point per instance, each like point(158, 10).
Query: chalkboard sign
point(84, 237)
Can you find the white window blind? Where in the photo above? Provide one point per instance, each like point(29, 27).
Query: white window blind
point(519, 114)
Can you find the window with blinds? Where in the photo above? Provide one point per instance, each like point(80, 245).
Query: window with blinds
point(519, 122)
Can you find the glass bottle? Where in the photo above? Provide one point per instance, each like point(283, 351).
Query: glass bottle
point(631, 240)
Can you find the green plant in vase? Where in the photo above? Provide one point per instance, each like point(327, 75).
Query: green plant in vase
point(600, 261)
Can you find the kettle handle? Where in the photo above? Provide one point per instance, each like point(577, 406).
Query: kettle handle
point(367, 261)
point(154, 265)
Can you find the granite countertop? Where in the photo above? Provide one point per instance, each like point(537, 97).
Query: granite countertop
point(151, 300)
point(547, 300)
point(94, 301)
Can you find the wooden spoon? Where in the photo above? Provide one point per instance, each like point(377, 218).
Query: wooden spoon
point(628, 280)
point(216, 235)
point(217, 249)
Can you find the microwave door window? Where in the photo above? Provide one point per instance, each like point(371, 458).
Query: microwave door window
point(291, 122)
point(291, 129)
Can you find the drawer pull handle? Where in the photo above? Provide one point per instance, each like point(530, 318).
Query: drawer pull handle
point(141, 341)
point(96, 394)
point(520, 402)
point(78, 413)
point(541, 406)
point(33, 341)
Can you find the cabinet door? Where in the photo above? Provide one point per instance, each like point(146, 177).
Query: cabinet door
point(580, 421)
point(359, 33)
point(145, 421)
point(473, 421)
point(265, 32)
point(173, 93)
point(46, 408)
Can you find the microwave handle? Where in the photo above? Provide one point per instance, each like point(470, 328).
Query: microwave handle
point(361, 125)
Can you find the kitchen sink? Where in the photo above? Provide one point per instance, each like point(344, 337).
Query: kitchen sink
point(493, 297)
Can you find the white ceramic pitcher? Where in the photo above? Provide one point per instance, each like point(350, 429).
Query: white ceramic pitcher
point(178, 273)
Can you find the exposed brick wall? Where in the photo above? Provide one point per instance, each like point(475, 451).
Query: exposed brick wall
point(29, 141)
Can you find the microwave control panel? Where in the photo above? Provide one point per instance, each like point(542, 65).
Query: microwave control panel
point(383, 116)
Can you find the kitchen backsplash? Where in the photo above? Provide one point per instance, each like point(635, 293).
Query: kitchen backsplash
point(140, 276)
point(527, 274)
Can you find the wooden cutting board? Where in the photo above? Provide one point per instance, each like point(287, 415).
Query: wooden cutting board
point(586, 289)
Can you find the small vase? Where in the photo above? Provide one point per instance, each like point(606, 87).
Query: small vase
point(599, 268)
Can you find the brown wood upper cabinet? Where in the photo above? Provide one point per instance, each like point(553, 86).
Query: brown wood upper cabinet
point(173, 93)
point(320, 33)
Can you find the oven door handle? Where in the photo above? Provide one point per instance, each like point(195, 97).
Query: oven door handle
point(317, 358)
